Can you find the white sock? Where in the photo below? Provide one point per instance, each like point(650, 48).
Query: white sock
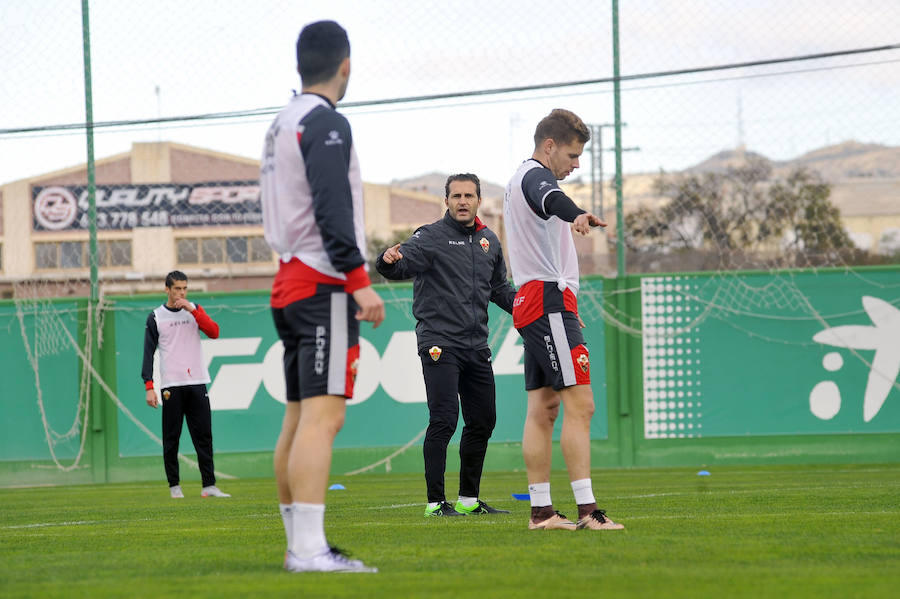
point(308, 522)
point(432, 505)
point(583, 492)
point(468, 501)
point(288, 522)
point(539, 494)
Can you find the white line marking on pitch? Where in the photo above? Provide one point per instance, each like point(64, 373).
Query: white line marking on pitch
point(42, 524)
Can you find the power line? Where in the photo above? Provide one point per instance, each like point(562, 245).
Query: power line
point(456, 95)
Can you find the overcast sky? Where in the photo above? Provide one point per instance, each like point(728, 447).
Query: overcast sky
point(212, 56)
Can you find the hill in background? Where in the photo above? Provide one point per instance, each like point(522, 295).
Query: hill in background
point(865, 179)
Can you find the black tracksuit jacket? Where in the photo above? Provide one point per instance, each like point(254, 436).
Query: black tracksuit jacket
point(458, 271)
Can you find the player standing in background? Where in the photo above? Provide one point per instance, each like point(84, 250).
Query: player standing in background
point(173, 328)
point(313, 218)
point(545, 312)
point(458, 267)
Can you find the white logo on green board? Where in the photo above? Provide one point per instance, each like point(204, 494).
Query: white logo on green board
point(397, 370)
point(883, 337)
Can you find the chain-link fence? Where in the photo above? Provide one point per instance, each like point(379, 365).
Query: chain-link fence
point(753, 135)
point(707, 88)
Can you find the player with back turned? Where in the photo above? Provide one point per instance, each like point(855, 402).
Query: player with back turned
point(312, 206)
point(537, 217)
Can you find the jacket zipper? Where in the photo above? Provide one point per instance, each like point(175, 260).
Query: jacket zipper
point(474, 287)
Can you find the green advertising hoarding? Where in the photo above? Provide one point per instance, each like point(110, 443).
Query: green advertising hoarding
point(771, 354)
point(388, 408)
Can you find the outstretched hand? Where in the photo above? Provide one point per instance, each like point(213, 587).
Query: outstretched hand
point(584, 222)
point(392, 254)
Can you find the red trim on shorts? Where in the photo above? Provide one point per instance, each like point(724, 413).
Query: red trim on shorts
point(352, 370)
point(570, 301)
point(528, 304)
point(536, 298)
point(296, 281)
point(582, 362)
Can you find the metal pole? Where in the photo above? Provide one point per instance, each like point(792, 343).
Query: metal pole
point(595, 146)
point(89, 129)
point(98, 440)
point(600, 170)
point(620, 215)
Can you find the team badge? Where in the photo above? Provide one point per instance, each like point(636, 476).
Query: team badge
point(485, 245)
point(435, 353)
point(167, 394)
point(583, 362)
point(354, 368)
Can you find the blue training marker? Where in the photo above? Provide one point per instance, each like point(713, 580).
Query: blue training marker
point(337, 487)
point(521, 496)
point(703, 473)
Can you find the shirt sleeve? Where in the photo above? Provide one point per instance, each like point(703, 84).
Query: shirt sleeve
point(151, 340)
point(326, 147)
point(417, 257)
point(502, 293)
point(560, 205)
point(206, 324)
point(537, 184)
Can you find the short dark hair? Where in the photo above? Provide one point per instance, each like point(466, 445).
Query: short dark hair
point(175, 275)
point(563, 127)
point(321, 47)
point(462, 177)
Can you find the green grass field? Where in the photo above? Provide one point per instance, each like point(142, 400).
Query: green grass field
point(811, 531)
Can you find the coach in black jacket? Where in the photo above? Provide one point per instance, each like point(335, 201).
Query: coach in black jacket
point(458, 267)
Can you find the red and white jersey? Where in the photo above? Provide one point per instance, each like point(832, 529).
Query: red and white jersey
point(540, 245)
point(181, 360)
point(311, 188)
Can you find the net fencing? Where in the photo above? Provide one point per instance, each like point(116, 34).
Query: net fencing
point(755, 137)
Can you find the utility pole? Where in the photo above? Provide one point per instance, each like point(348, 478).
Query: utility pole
point(596, 149)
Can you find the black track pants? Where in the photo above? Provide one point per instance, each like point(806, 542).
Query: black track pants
point(458, 378)
point(189, 403)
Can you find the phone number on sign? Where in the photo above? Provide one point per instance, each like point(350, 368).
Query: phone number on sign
point(127, 219)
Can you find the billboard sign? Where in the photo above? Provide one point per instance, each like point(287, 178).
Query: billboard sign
point(65, 208)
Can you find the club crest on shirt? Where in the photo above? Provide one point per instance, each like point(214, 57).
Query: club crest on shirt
point(435, 353)
point(583, 362)
point(167, 394)
point(485, 244)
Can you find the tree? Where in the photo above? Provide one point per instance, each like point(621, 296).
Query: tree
point(743, 218)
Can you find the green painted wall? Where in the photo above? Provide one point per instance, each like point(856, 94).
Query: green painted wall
point(689, 369)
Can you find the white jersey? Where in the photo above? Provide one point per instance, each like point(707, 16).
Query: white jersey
point(540, 245)
point(181, 360)
point(318, 221)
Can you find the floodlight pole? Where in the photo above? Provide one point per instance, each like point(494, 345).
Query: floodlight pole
point(620, 218)
point(91, 326)
point(89, 130)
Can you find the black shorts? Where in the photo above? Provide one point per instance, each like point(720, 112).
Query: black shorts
point(321, 343)
point(555, 353)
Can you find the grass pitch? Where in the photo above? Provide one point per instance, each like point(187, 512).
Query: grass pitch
point(811, 531)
